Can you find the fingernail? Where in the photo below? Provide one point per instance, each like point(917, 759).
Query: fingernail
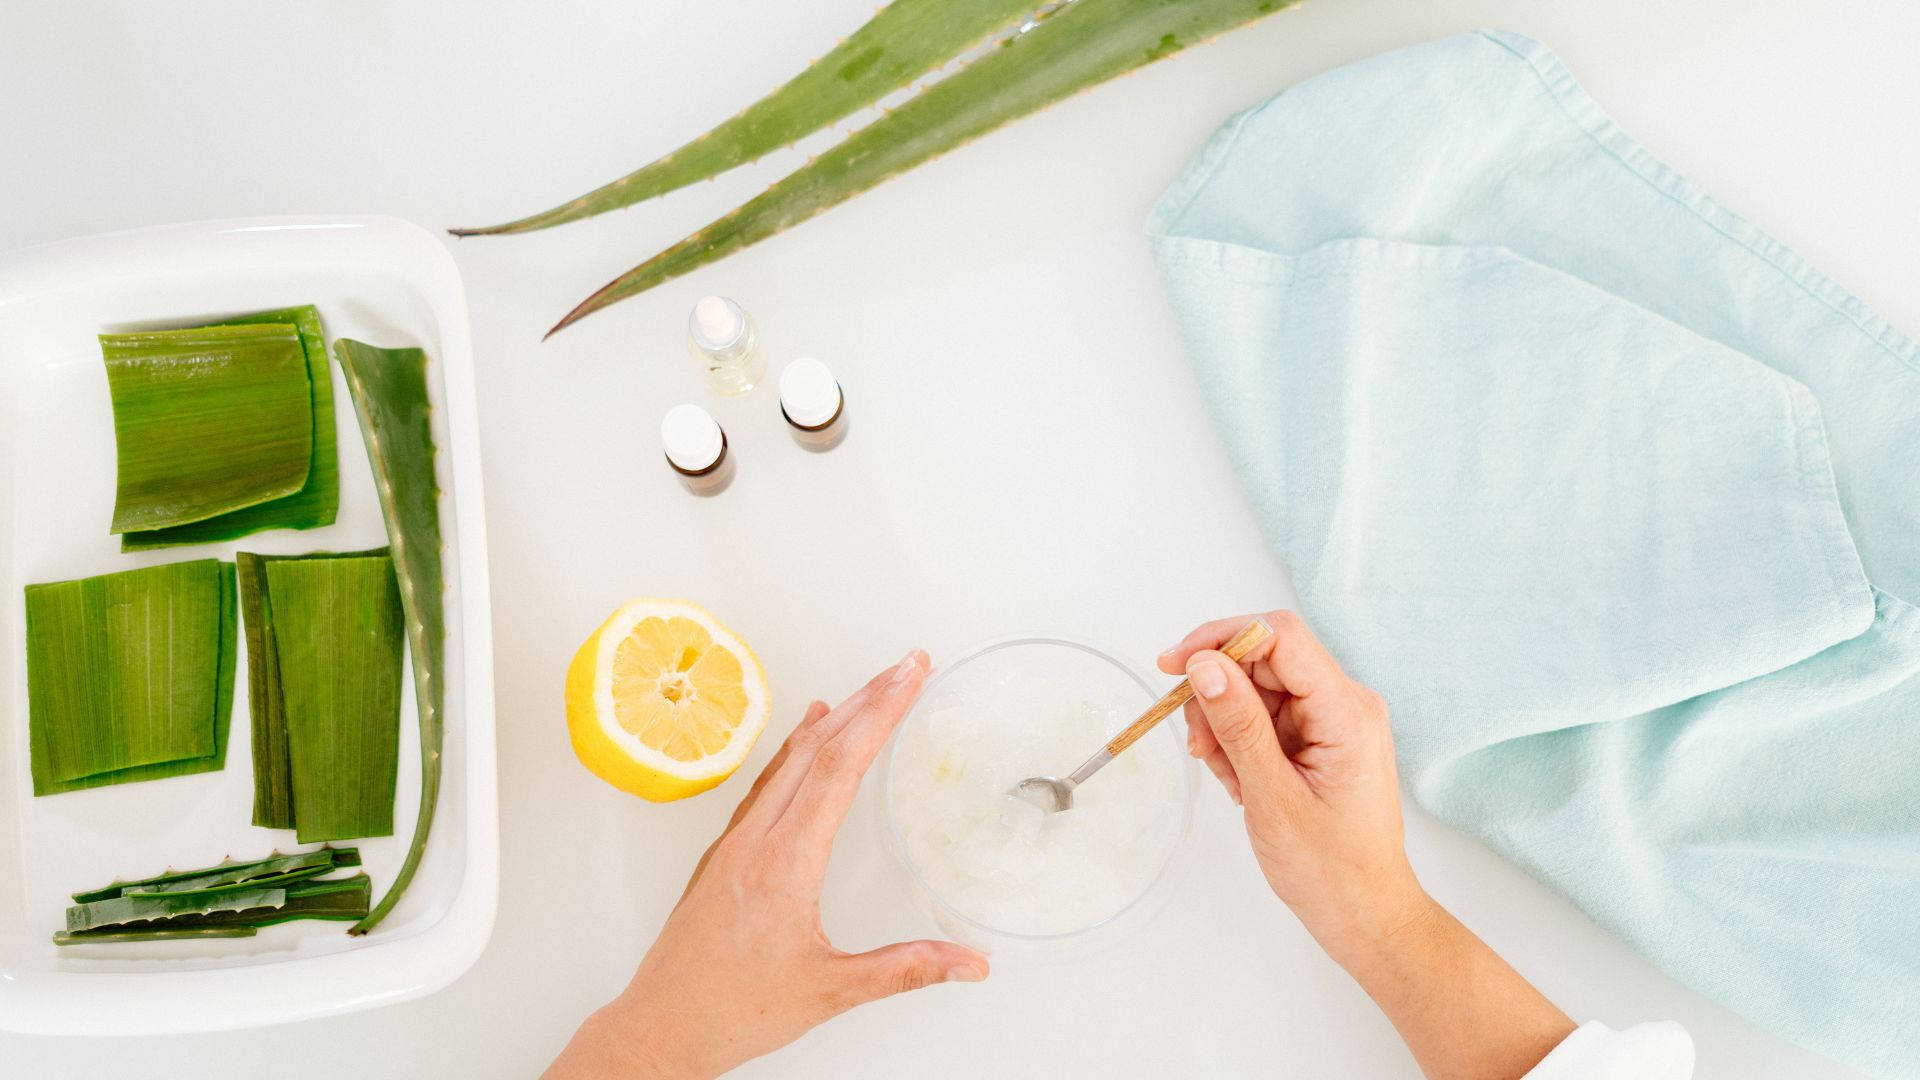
point(1208, 680)
point(965, 973)
point(904, 670)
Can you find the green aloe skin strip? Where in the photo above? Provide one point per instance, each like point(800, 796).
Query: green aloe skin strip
point(272, 763)
point(317, 502)
point(163, 646)
point(130, 676)
point(110, 935)
point(337, 631)
point(227, 873)
point(272, 769)
point(207, 421)
point(389, 390)
point(236, 911)
point(152, 907)
point(904, 39)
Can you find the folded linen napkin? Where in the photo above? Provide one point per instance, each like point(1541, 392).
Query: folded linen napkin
point(1612, 496)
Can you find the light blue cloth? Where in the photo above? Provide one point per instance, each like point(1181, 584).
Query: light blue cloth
point(1613, 497)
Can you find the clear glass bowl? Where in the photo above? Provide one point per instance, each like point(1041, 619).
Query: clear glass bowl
point(1012, 673)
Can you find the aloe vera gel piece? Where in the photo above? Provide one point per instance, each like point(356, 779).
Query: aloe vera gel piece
point(317, 501)
point(207, 421)
point(129, 675)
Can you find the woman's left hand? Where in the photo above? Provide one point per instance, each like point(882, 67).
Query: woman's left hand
point(742, 966)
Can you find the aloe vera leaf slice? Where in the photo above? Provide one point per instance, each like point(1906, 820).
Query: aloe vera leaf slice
point(238, 872)
point(337, 899)
point(122, 910)
point(111, 935)
point(266, 881)
point(272, 769)
point(163, 648)
point(267, 874)
point(317, 503)
point(45, 784)
point(206, 421)
point(1083, 44)
point(64, 695)
point(341, 899)
point(338, 636)
point(330, 898)
point(903, 39)
point(389, 391)
point(123, 671)
point(272, 766)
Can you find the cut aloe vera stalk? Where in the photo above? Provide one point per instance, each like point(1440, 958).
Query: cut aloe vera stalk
point(148, 917)
point(389, 390)
point(272, 769)
point(110, 935)
point(130, 675)
point(338, 899)
point(279, 873)
point(337, 639)
point(1078, 46)
point(272, 761)
point(228, 873)
point(160, 907)
point(903, 39)
point(207, 421)
point(317, 502)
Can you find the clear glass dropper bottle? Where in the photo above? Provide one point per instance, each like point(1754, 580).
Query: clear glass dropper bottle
point(723, 337)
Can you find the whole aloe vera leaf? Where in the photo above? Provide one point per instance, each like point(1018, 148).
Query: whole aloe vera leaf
point(1083, 44)
point(904, 39)
point(389, 391)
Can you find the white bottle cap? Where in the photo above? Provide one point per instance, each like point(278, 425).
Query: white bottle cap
point(692, 437)
point(717, 322)
point(808, 392)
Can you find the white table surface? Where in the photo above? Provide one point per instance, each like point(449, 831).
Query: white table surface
point(1028, 451)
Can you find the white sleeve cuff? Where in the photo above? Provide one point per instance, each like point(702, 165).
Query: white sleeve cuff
point(1661, 1050)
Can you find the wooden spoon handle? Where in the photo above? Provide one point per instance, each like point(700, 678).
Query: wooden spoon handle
point(1236, 649)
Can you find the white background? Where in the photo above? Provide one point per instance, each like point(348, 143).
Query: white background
point(1028, 450)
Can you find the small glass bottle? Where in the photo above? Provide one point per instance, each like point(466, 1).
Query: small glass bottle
point(697, 449)
point(813, 404)
point(723, 337)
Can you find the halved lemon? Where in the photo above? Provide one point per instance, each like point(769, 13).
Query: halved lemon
point(663, 700)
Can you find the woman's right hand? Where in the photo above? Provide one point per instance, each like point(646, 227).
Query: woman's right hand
point(1308, 753)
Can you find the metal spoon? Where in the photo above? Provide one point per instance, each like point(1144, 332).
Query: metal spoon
point(1051, 793)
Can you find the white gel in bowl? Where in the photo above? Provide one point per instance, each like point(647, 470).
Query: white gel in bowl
point(1020, 709)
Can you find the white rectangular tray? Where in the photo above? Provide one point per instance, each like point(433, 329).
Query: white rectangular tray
point(379, 280)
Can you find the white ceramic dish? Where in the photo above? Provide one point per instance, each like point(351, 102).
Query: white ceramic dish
point(379, 280)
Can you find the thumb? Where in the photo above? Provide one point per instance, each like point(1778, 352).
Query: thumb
point(1243, 727)
point(910, 965)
